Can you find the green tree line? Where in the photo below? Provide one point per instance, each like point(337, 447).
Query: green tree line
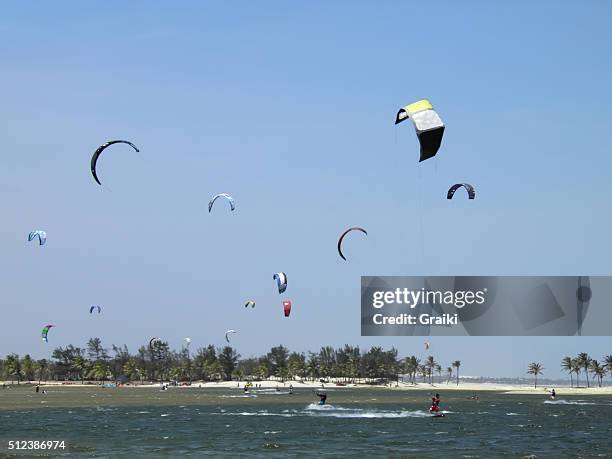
point(157, 363)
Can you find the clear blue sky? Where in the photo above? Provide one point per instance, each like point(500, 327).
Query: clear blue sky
point(290, 108)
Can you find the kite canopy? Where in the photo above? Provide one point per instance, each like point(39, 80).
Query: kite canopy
point(153, 340)
point(249, 303)
point(45, 332)
point(469, 188)
point(281, 281)
point(227, 333)
point(40, 234)
point(428, 125)
point(222, 195)
point(93, 308)
point(287, 307)
point(354, 228)
point(98, 152)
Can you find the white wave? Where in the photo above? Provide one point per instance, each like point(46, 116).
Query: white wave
point(568, 402)
point(336, 412)
point(513, 414)
point(379, 414)
point(341, 412)
point(260, 413)
point(326, 407)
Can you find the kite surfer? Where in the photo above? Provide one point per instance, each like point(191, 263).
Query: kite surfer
point(435, 405)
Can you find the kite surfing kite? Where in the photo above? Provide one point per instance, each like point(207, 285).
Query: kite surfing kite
point(93, 308)
point(227, 334)
point(281, 281)
point(98, 152)
point(469, 188)
point(428, 125)
point(40, 234)
point(287, 307)
point(354, 228)
point(222, 195)
point(249, 303)
point(153, 340)
point(45, 332)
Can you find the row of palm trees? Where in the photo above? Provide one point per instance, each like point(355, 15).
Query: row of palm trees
point(412, 367)
point(577, 365)
point(157, 362)
point(584, 363)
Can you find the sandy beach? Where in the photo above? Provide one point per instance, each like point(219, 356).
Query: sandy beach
point(271, 384)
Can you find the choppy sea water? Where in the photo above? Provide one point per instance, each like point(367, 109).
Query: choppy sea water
point(96, 422)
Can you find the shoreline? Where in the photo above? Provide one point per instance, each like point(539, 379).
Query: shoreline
point(508, 389)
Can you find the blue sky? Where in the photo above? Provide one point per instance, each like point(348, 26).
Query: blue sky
point(290, 108)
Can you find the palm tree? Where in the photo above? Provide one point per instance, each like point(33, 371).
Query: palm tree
point(608, 364)
point(42, 367)
point(568, 366)
point(576, 368)
point(262, 371)
point(439, 371)
point(99, 371)
point(312, 366)
point(174, 374)
point(449, 372)
point(410, 367)
point(598, 371)
point(535, 369)
point(457, 364)
point(415, 365)
point(80, 365)
point(422, 370)
point(28, 366)
point(585, 361)
point(95, 350)
point(13, 366)
point(430, 364)
point(130, 368)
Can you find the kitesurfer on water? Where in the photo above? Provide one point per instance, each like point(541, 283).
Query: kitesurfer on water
point(435, 404)
point(323, 397)
point(553, 394)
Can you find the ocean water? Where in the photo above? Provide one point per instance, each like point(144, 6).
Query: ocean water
point(124, 422)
